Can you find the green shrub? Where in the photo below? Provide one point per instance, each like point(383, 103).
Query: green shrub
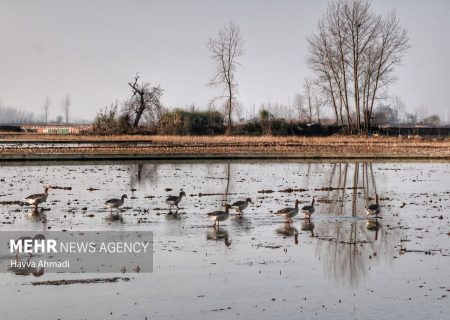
point(182, 122)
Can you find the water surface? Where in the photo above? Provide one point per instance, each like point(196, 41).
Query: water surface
point(253, 266)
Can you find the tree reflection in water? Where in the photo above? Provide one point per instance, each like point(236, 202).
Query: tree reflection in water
point(346, 240)
point(143, 174)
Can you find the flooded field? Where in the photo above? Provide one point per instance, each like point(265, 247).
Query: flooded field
point(253, 266)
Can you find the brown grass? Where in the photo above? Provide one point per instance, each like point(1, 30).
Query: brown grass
point(339, 145)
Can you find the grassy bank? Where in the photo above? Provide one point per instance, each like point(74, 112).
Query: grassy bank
point(37, 146)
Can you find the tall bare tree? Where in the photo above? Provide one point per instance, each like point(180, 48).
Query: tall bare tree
point(299, 106)
point(46, 108)
point(65, 106)
point(354, 54)
point(225, 50)
point(145, 100)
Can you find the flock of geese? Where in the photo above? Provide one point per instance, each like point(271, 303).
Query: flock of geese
point(287, 213)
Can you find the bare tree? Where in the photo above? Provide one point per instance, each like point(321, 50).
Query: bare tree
point(313, 103)
point(225, 51)
point(46, 108)
point(299, 106)
point(309, 99)
point(145, 100)
point(398, 107)
point(354, 54)
point(11, 115)
point(65, 106)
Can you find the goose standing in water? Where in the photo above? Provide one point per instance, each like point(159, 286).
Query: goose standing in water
point(289, 212)
point(374, 208)
point(218, 216)
point(115, 203)
point(36, 199)
point(175, 200)
point(309, 210)
point(239, 206)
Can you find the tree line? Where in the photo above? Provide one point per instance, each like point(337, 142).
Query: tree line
point(12, 115)
point(353, 56)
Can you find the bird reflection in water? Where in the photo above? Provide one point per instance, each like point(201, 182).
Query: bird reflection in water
point(242, 223)
point(307, 225)
point(37, 214)
point(288, 231)
point(173, 215)
point(219, 234)
point(373, 225)
point(114, 217)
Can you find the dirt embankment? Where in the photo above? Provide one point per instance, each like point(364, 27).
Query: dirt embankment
point(35, 146)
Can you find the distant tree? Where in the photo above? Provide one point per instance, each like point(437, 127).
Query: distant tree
point(411, 118)
point(433, 120)
point(299, 106)
point(225, 51)
point(398, 107)
point(11, 115)
point(46, 108)
point(265, 120)
point(383, 115)
point(144, 100)
point(59, 119)
point(65, 106)
point(422, 113)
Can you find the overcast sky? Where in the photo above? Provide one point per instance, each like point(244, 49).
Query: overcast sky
point(91, 48)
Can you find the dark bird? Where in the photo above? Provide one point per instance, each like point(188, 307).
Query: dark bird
point(239, 206)
point(374, 208)
point(175, 200)
point(309, 210)
point(115, 203)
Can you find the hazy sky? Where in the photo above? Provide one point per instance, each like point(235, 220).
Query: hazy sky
point(91, 48)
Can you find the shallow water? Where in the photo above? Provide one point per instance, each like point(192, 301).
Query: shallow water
point(252, 266)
